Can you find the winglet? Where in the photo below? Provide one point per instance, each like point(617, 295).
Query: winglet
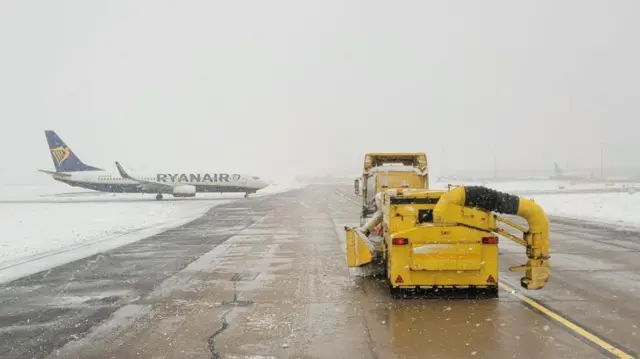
point(123, 173)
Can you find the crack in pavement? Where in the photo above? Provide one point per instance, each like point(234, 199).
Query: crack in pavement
point(212, 338)
point(234, 303)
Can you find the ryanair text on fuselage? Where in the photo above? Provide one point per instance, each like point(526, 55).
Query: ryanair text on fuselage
point(197, 177)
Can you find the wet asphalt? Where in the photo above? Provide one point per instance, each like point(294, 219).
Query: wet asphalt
point(267, 278)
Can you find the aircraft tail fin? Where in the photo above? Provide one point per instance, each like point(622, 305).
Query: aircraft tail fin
point(557, 170)
point(63, 157)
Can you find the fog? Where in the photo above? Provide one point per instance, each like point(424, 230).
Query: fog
point(281, 88)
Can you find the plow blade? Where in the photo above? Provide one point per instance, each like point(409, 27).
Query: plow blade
point(359, 248)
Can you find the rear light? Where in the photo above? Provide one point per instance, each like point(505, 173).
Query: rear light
point(489, 240)
point(400, 241)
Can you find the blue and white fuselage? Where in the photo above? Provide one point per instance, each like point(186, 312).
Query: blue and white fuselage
point(70, 170)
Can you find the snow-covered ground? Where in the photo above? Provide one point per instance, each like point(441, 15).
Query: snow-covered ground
point(42, 226)
point(283, 185)
point(38, 236)
point(528, 186)
point(613, 208)
point(622, 208)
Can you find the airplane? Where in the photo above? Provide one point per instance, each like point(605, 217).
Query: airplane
point(72, 171)
point(572, 175)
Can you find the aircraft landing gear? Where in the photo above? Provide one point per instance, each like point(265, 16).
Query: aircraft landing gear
point(159, 196)
point(246, 195)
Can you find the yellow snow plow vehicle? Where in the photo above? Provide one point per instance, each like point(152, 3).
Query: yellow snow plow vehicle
point(389, 170)
point(427, 239)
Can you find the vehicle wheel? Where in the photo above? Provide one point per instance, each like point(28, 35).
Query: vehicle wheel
point(159, 196)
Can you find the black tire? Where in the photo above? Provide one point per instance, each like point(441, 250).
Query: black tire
point(159, 196)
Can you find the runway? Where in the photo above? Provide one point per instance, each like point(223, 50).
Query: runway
point(267, 278)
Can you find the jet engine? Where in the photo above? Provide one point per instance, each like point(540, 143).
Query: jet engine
point(184, 191)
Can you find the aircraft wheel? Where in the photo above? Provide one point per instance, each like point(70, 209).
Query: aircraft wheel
point(246, 195)
point(159, 196)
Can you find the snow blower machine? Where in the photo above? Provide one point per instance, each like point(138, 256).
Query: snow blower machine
point(443, 240)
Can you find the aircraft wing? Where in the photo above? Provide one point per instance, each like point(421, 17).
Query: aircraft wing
point(146, 183)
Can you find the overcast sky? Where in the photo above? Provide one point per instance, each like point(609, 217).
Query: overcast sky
point(282, 87)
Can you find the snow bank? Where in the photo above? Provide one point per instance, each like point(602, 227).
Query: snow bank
point(41, 228)
point(611, 208)
point(541, 185)
point(31, 230)
point(620, 208)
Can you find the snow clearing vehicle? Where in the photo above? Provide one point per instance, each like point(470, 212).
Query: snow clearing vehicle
point(389, 170)
point(448, 239)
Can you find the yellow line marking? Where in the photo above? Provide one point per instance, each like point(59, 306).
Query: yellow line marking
point(574, 327)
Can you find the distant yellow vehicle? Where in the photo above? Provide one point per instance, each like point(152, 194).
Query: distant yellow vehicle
point(427, 239)
point(390, 170)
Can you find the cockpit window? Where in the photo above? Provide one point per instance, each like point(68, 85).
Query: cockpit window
point(255, 177)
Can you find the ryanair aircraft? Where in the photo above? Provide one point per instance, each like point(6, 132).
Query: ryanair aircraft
point(72, 171)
